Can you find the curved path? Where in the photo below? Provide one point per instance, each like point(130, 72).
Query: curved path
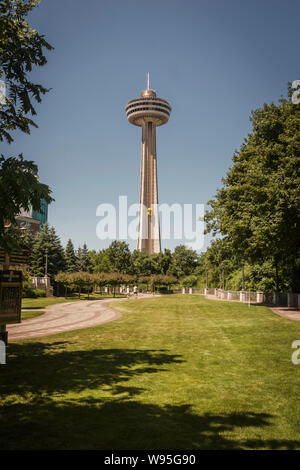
point(65, 317)
point(291, 313)
point(287, 312)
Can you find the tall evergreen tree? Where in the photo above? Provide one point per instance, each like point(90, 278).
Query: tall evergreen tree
point(70, 258)
point(29, 241)
point(83, 259)
point(47, 238)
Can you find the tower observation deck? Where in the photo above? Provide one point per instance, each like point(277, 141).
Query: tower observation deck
point(148, 111)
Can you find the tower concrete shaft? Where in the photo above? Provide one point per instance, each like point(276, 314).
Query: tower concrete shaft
point(148, 111)
point(149, 230)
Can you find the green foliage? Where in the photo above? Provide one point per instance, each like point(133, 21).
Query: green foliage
point(184, 262)
point(84, 280)
point(21, 48)
point(83, 259)
point(99, 262)
point(26, 278)
point(160, 262)
point(119, 256)
point(189, 281)
point(29, 293)
point(19, 188)
point(70, 258)
point(47, 238)
point(141, 263)
point(161, 280)
point(257, 277)
point(257, 210)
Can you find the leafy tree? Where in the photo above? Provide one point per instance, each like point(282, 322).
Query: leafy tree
point(160, 280)
point(64, 279)
point(100, 280)
point(70, 258)
point(119, 256)
point(189, 281)
point(184, 261)
point(99, 261)
point(21, 48)
point(19, 188)
point(160, 262)
point(256, 277)
point(79, 279)
point(141, 264)
point(218, 253)
point(257, 210)
point(116, 279)
point(47, 238)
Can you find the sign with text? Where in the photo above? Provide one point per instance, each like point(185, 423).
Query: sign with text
point(10, 296)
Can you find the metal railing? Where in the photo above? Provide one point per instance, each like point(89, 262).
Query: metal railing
point(278, 299)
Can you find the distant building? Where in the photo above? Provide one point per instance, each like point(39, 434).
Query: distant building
point(33, 220)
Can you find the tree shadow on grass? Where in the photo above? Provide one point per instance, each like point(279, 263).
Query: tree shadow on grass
point(39, 411)
point(50, 368)
point(122, 425)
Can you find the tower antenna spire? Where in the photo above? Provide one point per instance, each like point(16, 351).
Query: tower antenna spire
point(148, 81)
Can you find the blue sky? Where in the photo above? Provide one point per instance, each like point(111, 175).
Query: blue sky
point(213, 60)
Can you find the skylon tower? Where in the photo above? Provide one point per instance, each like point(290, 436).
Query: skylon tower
point(148, 111)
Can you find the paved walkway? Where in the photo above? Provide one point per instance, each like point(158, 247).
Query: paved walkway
point(290, 313)
point(287, 312)
point(66, 317)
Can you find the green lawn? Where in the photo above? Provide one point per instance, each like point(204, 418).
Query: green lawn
point(176, 372)
point(42, 302)
point(33, 314)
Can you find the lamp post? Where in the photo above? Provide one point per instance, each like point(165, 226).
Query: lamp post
point(46, 265)
point(243, 276)
point(7, 226)
point(206, 276)
point(23, 231)
point(223, 280)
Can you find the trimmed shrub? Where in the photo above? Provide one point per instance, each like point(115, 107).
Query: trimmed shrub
point(29, 293)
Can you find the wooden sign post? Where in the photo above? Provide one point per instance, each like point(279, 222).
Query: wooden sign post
point(10, 300)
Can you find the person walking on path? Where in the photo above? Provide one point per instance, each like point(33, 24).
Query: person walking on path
point(128, 292)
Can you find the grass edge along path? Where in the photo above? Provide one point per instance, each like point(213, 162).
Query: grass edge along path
point(28, 314)
point(42, 302)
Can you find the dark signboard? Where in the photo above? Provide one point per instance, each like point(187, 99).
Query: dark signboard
point(10, 296)
point(17, 257)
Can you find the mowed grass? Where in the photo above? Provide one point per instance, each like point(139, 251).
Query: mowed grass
point(32, 314)
point(42, 302)
point(176, 372)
